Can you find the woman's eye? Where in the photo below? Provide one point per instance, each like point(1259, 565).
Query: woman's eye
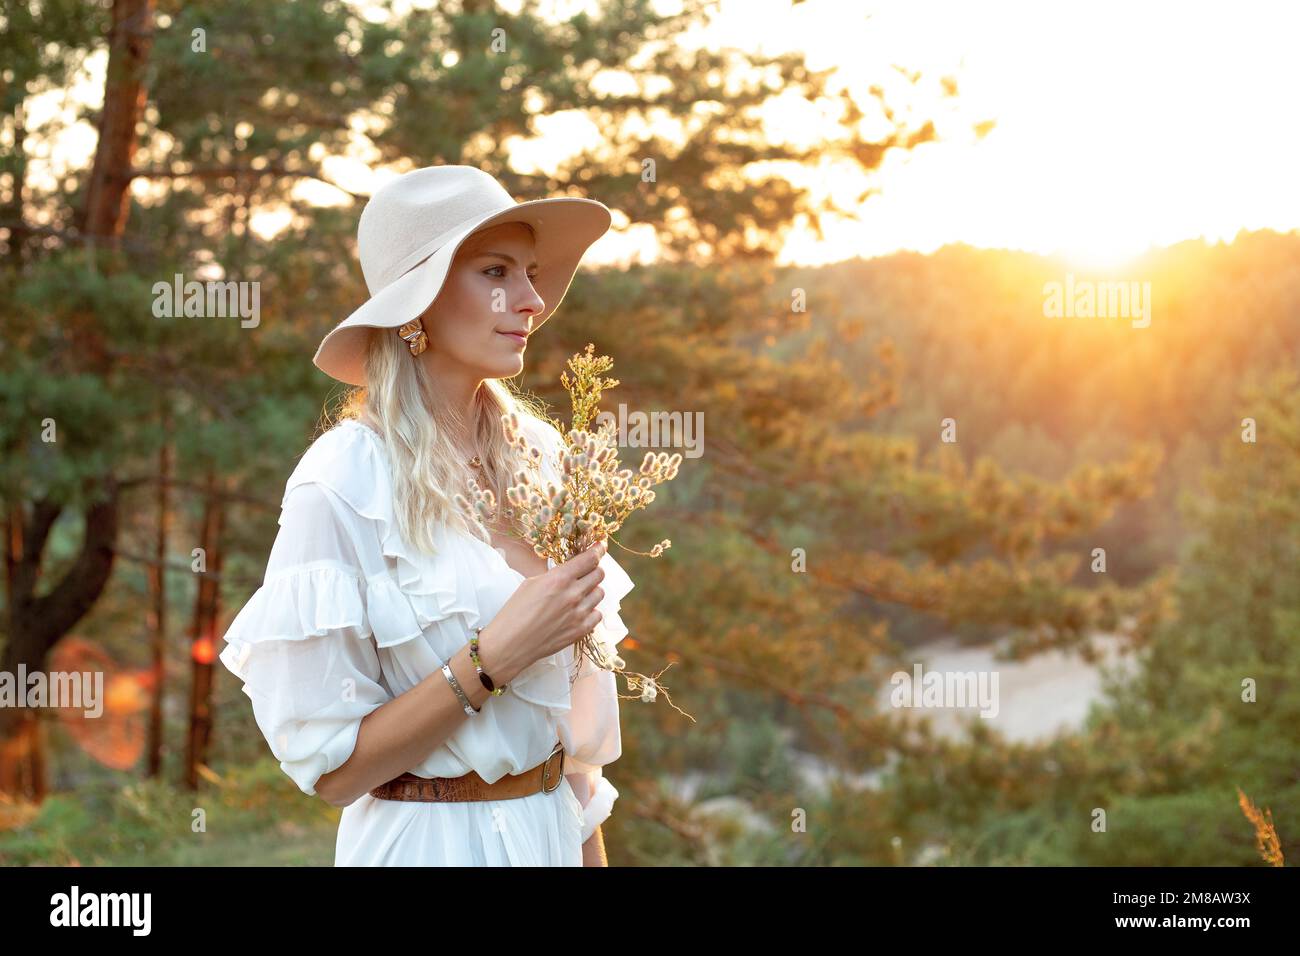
point(491, 270)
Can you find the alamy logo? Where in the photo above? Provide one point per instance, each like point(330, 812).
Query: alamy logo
point(77, 690)
point(102, 909)
point(213, 299)
point(1086, 299)
point(924, 688)
point(683, 430)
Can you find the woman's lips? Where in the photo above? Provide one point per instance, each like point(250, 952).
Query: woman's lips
point(515, 337)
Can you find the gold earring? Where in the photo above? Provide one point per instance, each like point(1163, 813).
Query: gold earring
point(416, 339)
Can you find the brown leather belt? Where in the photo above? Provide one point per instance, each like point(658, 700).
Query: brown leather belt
point(544, 778)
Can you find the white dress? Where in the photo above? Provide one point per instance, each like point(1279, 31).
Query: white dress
point(349, 616)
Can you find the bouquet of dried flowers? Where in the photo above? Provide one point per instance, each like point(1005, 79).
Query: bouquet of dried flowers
point(590, 503)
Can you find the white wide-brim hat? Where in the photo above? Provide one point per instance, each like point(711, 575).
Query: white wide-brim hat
point(408, 236)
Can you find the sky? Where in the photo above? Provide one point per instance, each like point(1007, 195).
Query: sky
point(1117, 125)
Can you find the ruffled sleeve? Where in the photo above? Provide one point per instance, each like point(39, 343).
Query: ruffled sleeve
point(301, 644)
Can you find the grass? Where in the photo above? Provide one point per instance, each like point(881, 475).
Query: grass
point(250, 816)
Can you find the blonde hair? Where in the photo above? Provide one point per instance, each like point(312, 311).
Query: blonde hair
point(415, 427)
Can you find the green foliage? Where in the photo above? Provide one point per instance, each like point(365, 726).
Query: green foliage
point(250, 818)
point(1164, 757)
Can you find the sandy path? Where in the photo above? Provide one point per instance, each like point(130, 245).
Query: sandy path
point(1037, 698)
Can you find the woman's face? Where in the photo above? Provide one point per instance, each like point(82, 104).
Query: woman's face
point(488, 294)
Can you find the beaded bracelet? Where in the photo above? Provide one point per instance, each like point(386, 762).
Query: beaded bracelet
point(478, 666)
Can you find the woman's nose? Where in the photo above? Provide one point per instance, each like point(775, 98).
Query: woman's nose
point(533, 301)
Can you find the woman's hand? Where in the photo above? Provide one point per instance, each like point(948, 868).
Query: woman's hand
point(546, 613)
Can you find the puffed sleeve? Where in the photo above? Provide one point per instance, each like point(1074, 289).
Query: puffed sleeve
point(301, 645)
point(591, 726)
point(597, 796)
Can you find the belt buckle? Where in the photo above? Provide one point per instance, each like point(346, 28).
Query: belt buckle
point(559, 749)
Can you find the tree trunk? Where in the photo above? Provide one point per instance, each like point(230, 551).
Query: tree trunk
point(204, 638)
point(107, 193)
point(14, 213)
point(37, 623)
point(158, 589)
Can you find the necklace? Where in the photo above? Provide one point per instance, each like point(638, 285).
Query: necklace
point(476, 464)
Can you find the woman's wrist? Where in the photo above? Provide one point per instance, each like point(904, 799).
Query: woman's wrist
point(496, 654)
point(593, 851)
point(462, 666)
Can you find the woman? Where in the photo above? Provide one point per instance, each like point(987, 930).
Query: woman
point(401, 664)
